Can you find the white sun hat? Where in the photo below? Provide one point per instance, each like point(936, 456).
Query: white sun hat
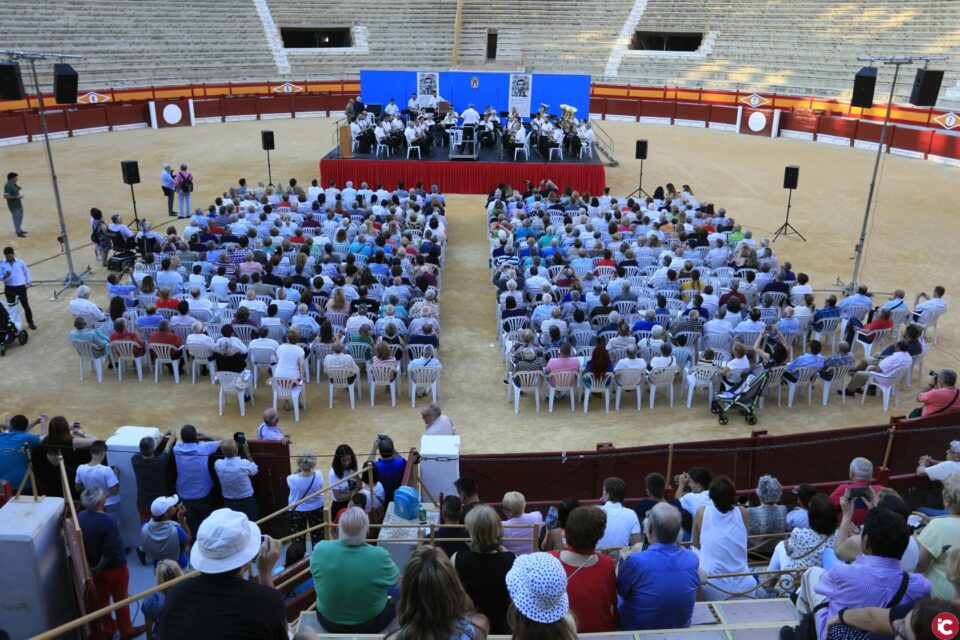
point(537, 584)
point(226, 540)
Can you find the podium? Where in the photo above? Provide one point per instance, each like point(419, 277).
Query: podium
point(346, 142)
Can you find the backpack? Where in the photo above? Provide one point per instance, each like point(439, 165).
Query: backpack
point(406, 503)
point(186, 183)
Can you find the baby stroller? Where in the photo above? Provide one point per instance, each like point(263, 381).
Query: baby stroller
point(10, 326)
point(743, 397)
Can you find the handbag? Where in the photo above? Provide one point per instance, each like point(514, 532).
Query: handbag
point(843, 631)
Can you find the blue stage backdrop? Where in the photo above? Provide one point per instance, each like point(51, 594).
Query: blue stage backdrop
point(377, 87)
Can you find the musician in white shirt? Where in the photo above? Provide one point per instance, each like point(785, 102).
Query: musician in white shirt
point(487, 132)
point(431, 101)
point(391, 109)
point(413, 104)
point(470, 116)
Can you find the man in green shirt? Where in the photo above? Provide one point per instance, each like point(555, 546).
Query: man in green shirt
point(355, 582)
point(11, 193)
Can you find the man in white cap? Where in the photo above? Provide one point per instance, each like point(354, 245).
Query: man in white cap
point(220, 603)
point(166, 536)
point(537, 584)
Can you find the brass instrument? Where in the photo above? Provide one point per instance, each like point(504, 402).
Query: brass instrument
point(568, 121)
point(543, 109)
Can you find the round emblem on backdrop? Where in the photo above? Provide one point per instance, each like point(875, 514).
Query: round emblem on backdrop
point(172, 114)
point(474, 82)
point(757, 121)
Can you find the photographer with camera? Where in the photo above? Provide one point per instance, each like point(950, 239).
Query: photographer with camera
point(234, 472)
point(942, 396)
point(167, 536)
point(861, 472)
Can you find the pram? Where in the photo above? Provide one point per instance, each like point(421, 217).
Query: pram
point(744, 397)
point(10, 326)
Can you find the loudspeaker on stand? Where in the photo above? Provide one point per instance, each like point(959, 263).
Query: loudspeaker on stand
point(11, 82)
point(266, 140)
point(641, 150)
point(791, 174)
point(863, 87)
point(926, 87)
point(131, 171)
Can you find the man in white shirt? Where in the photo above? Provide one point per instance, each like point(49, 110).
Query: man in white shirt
point(391, 109)
point(431, 101)
point(623, 527)
point(16, 280)
point(81, 307)
point(632, 361)
point(936, 302)
point(338, 359)
point(199, 337)
point(253, 304)
point(413, 104)
point(96, 474)
point(938, 470)
point(436, 424)
point(234, 473)
point(692, 489)
point(470, 116)
point(263, 341)
point(199, 305)
point(116, 226)
point(219, 283)
point(718, 323)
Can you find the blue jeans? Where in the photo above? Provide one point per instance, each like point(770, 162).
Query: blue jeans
point(184, 203)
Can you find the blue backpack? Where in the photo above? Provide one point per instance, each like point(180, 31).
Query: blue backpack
point(406, 503)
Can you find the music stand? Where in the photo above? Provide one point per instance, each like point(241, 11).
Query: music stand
point(786, 228)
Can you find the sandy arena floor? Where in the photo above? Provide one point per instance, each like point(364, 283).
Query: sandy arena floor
point(913, 236)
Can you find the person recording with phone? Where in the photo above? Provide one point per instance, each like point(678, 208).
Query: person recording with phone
point(861, 472)
point(941, 396)
point(234, 471)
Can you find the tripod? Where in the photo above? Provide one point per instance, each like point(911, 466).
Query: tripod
point(269, 170)
point(786, 228)
point(639, 190)
point(137, 225)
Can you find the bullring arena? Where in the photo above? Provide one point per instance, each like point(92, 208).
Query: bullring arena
point(793, 64)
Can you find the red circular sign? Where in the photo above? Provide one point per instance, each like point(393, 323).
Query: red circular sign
point(945, 626)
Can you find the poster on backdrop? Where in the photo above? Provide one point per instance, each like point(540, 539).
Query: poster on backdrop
point(521, 87)
point(428, 83)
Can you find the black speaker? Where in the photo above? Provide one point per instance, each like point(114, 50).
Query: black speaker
point(11, 82)
point(376, 110)
point(266, 140)
point(64, 84)
point(131, 171)
point(863, 87)
point(641, 150)
point(926, 87)
point(790, 176)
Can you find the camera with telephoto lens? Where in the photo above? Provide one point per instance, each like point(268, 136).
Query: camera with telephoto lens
point(934, 377)
point(239, 438)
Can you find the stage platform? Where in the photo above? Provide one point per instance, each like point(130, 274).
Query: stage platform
point(463, 176)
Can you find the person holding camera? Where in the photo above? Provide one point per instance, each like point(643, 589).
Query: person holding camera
point(941, 396)
point(858, 490)
point(234, 471)
point(167, 536)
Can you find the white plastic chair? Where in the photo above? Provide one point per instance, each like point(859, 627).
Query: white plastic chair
point(568, 381)
point(340, 379)
point(840, 378)
point(630, 379)
point(603, 385)
point(828, 330)
point(88, 354)
point(804, 377)
point(916, 362)
point(423, 378)
point(879, 335)
point(318, 351)
point(774, 379)
point(289, 389)
point(661, 377)
point(928, 319)
point(163, 354)
point(887, 383)
point(701, 376)
point(121, 352)
point(260, 358)
point(232, 383)
point(200, 355)
point(383, 375)
point(525, 381)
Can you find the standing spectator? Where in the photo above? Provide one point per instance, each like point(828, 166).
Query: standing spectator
point(104, 550)
point(360, 604)
point(183, 184)
point(220, 603)
point(436, 423)
point(12, 193)
point(234, 471)
point(344, 464)
point(537, 585)
point(623, 527)
point(467, 492)
point(518, 540)
point(270, 428)
point(391, 467)
point(658, 586)
point(16, 280)
point(61, 440)
point(96, 474)
point(150, 470)
point(433, 603)
point(591, 576)
point(484, 565)
point(306, 481)
point(168, 186)
point(166, 536)
point(14, 444)
point(193, 474)
point(720, 532)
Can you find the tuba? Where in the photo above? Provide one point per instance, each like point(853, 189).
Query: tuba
point(568, 121)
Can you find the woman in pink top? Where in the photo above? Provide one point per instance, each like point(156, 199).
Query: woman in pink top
point(519, 538)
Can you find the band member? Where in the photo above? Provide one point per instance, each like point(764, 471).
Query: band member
point(556, 139)
point(431, 101)
point(488, 132)
point(362, 133)
point(517, 139)
point(470, 116)
point(413, 105)
point(391, 109)
point(415, 138)
point(449, 122)
point(383, 137)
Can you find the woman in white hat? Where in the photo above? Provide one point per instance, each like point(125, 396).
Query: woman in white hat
point(540, 607)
